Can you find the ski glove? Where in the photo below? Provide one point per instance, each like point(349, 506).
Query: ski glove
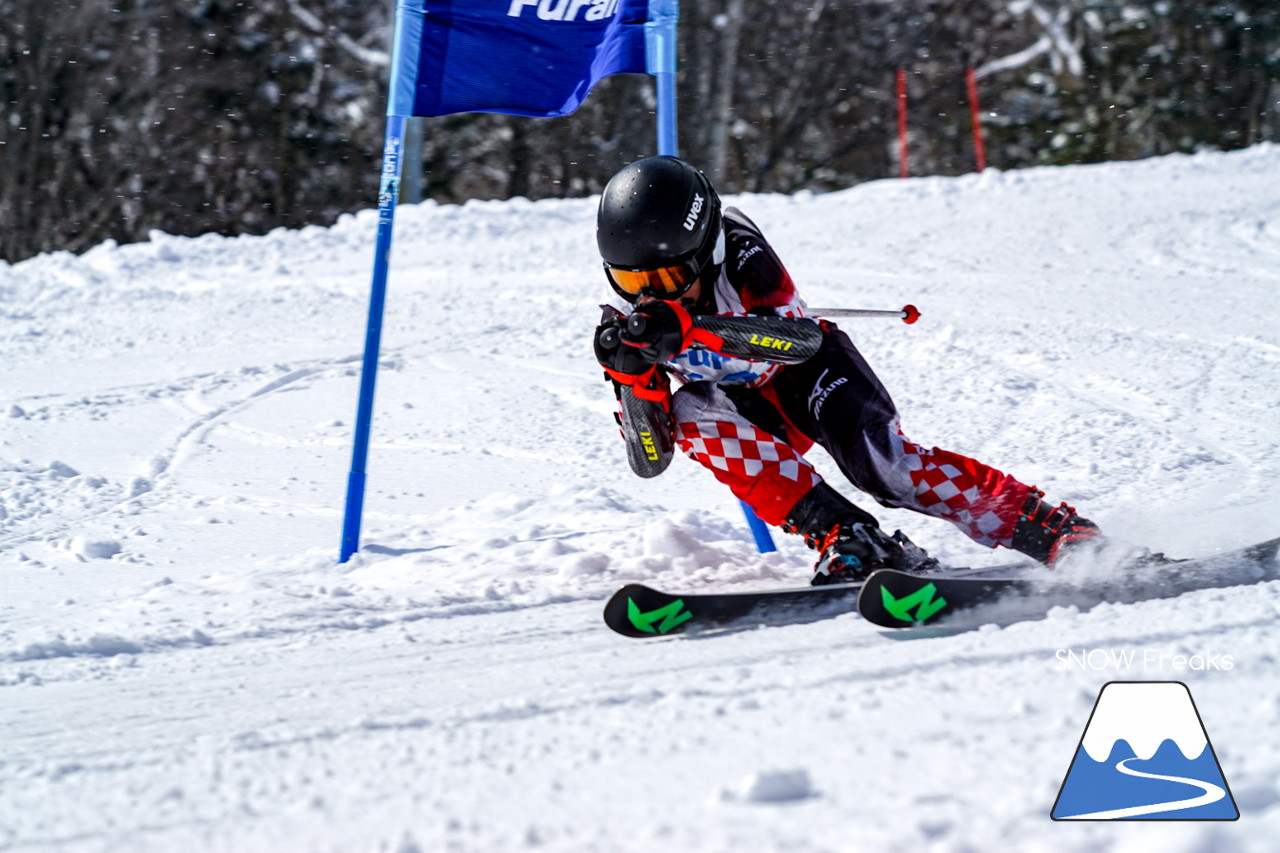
point(626, 365)
point(659, 331)
point(623, 363)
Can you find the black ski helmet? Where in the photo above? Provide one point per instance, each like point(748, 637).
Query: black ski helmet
point(658, 213)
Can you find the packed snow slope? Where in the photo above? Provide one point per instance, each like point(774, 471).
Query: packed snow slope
point(184, 665)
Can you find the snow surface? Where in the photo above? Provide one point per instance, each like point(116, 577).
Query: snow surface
point(184, 666)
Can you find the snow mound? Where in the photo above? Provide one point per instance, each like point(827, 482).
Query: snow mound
point(773, 786)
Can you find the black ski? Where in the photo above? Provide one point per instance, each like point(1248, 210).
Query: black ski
point(640, 611)
point(894, 599)
point(636, 610)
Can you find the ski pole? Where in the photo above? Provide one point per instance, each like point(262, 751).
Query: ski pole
point(909, 313)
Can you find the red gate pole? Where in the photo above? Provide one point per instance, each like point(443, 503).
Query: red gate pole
point(975, 116)
point(902, 122)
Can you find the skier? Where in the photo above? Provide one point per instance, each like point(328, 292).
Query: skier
point(672, 252)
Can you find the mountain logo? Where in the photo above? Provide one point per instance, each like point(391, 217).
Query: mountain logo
point(1145, 755)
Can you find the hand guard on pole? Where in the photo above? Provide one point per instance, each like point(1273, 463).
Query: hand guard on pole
point(663, 330)
point(644, 398)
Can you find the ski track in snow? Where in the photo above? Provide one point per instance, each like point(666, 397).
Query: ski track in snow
point(197, 417)
point(184, 665)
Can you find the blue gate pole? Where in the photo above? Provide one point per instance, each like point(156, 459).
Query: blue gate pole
point(660, 59)
point(389, 190)
point(400, 95)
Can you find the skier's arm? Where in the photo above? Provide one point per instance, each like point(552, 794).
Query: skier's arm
point(659, 331)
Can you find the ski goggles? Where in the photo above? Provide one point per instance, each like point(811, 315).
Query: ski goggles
point(667, 283)
point(663, 283)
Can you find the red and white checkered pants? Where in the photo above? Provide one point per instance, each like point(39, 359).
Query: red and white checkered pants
point(976, 498)
point(754, 442)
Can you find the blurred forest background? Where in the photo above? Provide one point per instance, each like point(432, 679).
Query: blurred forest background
point(231, 116)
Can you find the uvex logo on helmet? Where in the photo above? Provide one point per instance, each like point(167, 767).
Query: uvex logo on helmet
point(691, 220)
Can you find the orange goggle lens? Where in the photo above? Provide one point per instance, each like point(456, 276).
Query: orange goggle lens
point(664, 282)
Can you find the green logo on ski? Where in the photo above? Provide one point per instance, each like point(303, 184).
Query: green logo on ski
point(925, 600)
point(673, 616)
